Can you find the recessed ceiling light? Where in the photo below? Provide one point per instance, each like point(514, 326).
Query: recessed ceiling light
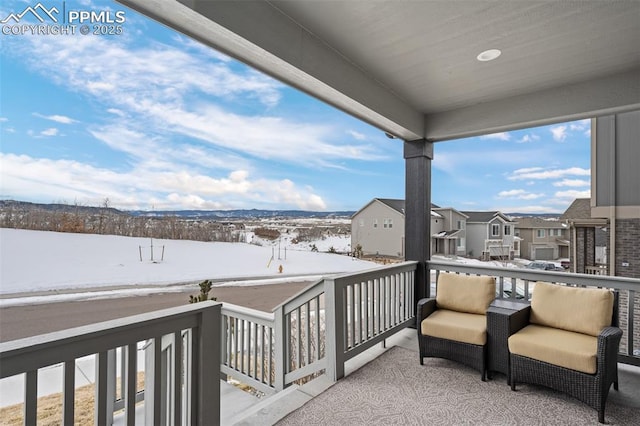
point(489, 55)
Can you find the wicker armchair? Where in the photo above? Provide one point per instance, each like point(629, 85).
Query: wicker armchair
point(453, 325)
point(592, 384)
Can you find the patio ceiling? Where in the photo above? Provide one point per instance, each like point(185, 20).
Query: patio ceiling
point(410, 67)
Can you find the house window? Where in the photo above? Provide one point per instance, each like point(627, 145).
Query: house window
point(540, 233)
point(507, 230)
point(460, 242)
point(461, 224)
point(557, 232)
point(375, 223)
point(495, 230)
point(388, 223)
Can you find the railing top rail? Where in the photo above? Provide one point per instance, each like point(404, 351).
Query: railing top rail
point(549, 276)
point(248, 313)
point(77, 342)
point(375, 272)
point(303, 295)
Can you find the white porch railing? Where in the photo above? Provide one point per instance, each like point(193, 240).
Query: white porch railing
point(165, 398)
point(316, 331)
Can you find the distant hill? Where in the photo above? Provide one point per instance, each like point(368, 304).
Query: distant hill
point(55, 207)
point(185, 214)
point(244, 214)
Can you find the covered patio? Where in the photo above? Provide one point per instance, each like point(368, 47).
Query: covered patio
point(423, 72)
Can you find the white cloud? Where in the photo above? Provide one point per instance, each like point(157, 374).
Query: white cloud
point(116, 111)
point(142, 84)
point(49, 132)
point(141, 187)
point(503, 136)
point(3, 119)
point(357, 135)
point(572, 182)
point(530, 137)
point(573, 194)
point(519, 194)
point(540, 173)
point(57, 118)
point(559, 133)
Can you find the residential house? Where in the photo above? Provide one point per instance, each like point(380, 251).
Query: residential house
point(589, 236)
point(542, 239)
point(491, 234)
point(379, 226)
point(448, 231)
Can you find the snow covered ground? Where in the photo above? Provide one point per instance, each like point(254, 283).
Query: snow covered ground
point(51, 263)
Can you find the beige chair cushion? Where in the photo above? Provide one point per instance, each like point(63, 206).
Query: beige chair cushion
point(465, 293)
point(583, 310)
point(563, 348)
point(458, 326)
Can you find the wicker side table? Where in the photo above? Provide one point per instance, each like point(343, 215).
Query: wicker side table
point(500, 320)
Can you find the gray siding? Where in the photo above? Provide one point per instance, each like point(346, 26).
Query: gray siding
point(378, 239)
point(618, 153)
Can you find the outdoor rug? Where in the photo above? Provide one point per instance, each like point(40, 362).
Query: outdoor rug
point(394, 389)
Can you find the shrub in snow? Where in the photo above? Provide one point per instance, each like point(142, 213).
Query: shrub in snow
point(205, 288)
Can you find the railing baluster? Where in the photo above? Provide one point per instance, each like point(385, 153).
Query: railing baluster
point(367, 311)
point(177, 377)
point(101, 389)
point(246, 338)
point(31, 397)
point(236, 333)
point(308, 332)
point(242, 357)
point(254, 343)
point(318, 337)
point(379, 302)
point(157, 381)
point(299, 337)
point(69, 392)
point(130, 379)
point(351, 317)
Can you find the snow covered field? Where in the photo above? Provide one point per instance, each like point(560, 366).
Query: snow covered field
point(52, 262)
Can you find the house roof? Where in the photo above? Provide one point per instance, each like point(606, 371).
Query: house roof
point(451, 234)
point(485, 217)
point(395, 204)
point(579, 209)
point(435, 208)
point(411, 69)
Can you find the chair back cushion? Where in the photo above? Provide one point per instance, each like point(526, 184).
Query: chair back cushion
point(583, 310)
point(465, 293)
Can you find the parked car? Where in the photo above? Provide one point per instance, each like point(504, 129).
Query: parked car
point(545, 266)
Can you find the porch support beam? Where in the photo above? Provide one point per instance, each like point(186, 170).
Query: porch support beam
point(418, 155)
point(593, 98)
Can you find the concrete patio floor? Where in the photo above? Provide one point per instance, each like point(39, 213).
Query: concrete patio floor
point(270, 410)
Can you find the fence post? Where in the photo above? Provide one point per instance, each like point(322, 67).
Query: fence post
point(280, 349)
point(209, 365)
point(334, 298)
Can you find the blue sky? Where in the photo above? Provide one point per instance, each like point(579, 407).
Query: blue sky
point(150, 119)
